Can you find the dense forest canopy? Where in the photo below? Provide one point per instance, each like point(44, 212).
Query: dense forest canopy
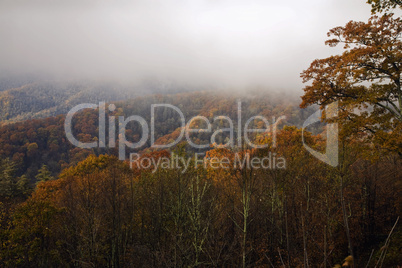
point(206, 213)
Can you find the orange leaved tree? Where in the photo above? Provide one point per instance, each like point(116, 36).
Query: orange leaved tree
point(365, 80)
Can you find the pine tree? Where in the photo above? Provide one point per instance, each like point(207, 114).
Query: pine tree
point(8, 185)
point(43, 175)
point(23, 185)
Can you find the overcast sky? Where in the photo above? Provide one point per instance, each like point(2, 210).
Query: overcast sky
point(234, 43)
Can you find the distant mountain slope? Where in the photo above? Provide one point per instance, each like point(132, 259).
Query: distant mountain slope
point(44, 99)
point(28, 97)
point(32, 143)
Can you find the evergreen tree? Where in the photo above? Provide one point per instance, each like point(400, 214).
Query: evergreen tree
point(43, 175)
point(8, 185)
point(23, 185)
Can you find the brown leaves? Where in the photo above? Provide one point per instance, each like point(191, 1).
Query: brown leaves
point(384, 5)
point(365, 79)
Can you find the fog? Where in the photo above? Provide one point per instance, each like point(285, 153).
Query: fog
point(219, 43)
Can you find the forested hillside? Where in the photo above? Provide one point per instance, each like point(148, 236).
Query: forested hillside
point(38, 142)
point(39, 100)
point(28, 97)
point(100, 212)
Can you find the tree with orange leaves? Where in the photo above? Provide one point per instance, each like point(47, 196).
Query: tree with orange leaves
point(365, 80)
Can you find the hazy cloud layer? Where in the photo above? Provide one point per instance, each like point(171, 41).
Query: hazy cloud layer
point(225, 42)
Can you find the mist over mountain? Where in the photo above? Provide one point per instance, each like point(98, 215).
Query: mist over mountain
point(30, 96)
point(220, 44)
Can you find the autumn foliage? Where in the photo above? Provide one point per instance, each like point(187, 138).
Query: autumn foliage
point(365, 80)
point(102, 213)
